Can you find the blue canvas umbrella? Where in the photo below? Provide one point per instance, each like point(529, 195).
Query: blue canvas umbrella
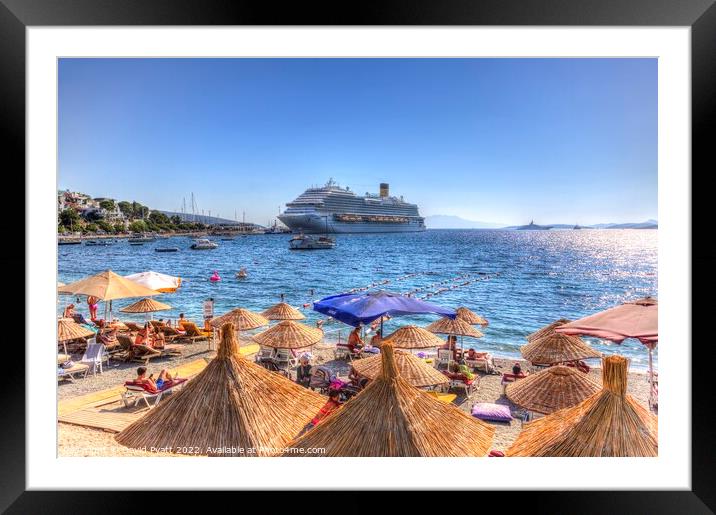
point(356, 309)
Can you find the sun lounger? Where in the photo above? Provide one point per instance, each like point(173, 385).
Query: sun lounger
point(94, 356)
point(170, 349)
point(508, 378)
point(265, 354)
point(342, 351)
point(444, 358)
point(69, 373)
point(482, 360)
point(133, 327)
point(443, 397)
point(194, 333)
point(135, 393)
point(285, 359)
point(143, 353)
point(171, 334)
point(461, 381)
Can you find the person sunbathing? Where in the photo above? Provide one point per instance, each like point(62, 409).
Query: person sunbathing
point(107, 335)
point(142, 379)
point(334, 402)
point(303, 371)
point(355, 342)
point(149, 337)
point(69, 311)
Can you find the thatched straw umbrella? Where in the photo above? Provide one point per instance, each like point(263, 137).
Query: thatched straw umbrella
point(233, 404)
point(453, 326)
point(413, 337)
point(146, 305)
point(552, 389)
point(393, 418)
point(471, 317)
point(609, 423)
point(557, 348)
point(289, 335)
point(411, 368)
point(68, 329)
point(283, 311)
point(546, 330)
point(242, 319)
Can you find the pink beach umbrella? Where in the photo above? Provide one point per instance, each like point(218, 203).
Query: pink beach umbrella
point(638, 319)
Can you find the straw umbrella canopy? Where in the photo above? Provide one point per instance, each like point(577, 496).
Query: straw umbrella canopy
point(413, 337)
point(453, 326)
point(283, 311)
point(552, 389)
point(289, 335)
point(242, 319)
point(607, 424)
point(394, 418)
point(154, 280)
point(546, 330)
point(145, 305)
point(68, 329)
point(234, 407)
point(471, 317)
point(108, 286)
point(557, 348)
point(411, 368)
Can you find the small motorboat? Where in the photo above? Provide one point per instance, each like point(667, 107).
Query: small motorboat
point(308, 242)
point(215, 277)
point(140, 238)
point(102, 243)
point(135, 243)
point(204, 244)
point(167, 249)
point(242, 274)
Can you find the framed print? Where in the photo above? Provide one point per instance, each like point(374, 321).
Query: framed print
point(401, 241)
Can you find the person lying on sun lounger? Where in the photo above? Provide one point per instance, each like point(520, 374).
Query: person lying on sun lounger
point(164, 377)
point(148, 336)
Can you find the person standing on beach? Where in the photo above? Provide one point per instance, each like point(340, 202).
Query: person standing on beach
point(92, 304)
point(355, 342)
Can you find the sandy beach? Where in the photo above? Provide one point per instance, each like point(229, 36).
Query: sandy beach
point(76, 440)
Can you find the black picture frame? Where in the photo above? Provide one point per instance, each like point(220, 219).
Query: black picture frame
point(700, 15)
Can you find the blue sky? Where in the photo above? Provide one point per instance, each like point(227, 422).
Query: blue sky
point(495, 140)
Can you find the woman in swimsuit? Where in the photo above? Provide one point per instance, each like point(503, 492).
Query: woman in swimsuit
point(92, 303)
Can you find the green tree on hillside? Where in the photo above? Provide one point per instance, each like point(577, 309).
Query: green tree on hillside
point(107, 204)
point(126, 208)
point(69, 218)
point(138, 226)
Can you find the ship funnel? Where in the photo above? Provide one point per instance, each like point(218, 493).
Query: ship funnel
point(384, 189)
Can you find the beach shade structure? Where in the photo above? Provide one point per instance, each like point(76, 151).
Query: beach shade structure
point(390, 417)
point(552, 389)
point(360, 309)
point(557, 348)
point(154, 280)
point(68, 329)
point(108, 286)
point(231, 408)
point(283, 311)
point(411, 368)
point(289, 334)
point(637, 319)
point(413, 337)
point(454, 327)
point(546, 330)
point(145, 305)
point(609, 423)
point(470, 317)
point(242, 319)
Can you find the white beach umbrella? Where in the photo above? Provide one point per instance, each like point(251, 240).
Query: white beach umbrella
point(156, 281)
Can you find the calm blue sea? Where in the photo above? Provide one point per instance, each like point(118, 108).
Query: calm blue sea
point(519, 280)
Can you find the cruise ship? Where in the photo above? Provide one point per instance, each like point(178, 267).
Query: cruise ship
point(332, 209)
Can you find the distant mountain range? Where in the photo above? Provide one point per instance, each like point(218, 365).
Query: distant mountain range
point(455, 222)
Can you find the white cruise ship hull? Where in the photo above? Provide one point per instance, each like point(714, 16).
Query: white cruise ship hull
point(317, 224)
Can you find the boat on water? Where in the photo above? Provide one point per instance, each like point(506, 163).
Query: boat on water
point(309, 242)
point(534, 227)
point(136, 243)
point(166, 249)
point(577, 227)
point(102, 243)
point(228, 238)
point(69, 242)
point(140, 238)
point(333, 209)
point(204, 244)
